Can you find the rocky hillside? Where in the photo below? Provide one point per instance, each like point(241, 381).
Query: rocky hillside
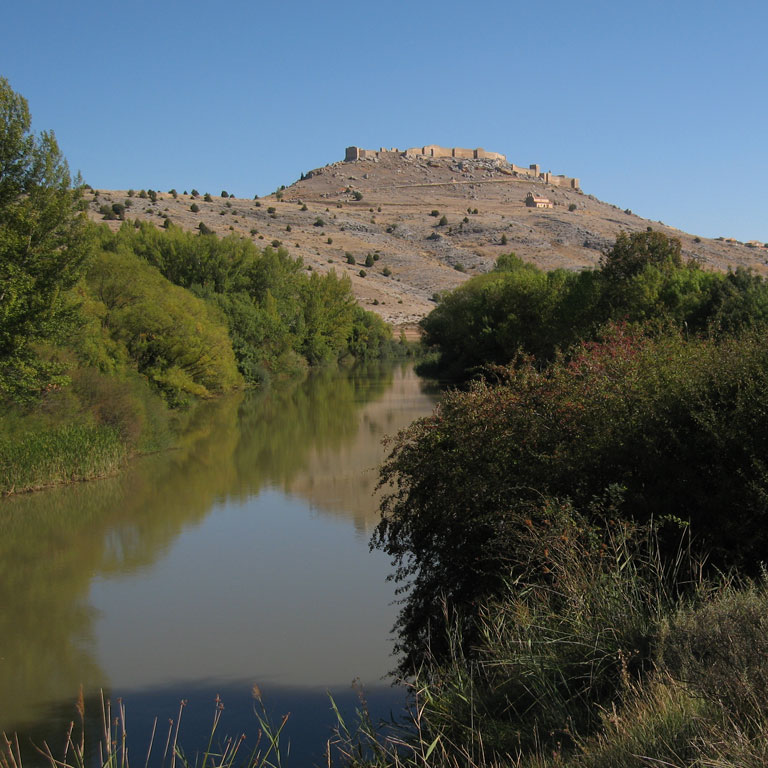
point(424, 225)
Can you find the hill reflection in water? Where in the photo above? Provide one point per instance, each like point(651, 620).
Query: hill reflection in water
point(229, 559)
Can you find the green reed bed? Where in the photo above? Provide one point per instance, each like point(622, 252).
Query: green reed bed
point(60, 454)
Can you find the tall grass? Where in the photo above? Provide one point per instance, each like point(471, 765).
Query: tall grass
point(605, 658)
point(59, 455)
point(164, 750)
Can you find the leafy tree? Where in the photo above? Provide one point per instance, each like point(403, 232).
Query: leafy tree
point(631, 254)
point(174, 339)
point(642, 279)
point(44, 249)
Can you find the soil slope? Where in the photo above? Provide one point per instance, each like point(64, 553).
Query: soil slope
point(384, 207)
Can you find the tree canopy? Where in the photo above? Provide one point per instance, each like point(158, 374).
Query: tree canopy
point(642, 278)
point(44, 249)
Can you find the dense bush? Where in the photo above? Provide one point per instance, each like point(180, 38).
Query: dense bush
point(173, 338)
point(274, 311)
point(642, 278)
point(661, 427)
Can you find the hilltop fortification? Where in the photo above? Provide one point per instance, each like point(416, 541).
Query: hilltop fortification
point(460, 153)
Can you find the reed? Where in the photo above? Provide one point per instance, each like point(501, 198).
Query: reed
point(112, 748)
point(58, 455)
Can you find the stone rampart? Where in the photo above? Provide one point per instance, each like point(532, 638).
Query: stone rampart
point(560, 180)
point(433, 150)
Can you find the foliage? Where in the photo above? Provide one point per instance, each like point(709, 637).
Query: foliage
point(274, 311)
point(173, 338)
point(519, 307)
point(44, 249)
point(660, 426)
point(64, 454)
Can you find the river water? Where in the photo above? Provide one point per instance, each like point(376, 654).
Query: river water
point(238, 559)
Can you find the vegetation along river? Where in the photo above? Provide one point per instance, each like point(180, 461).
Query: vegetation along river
point(239, 558)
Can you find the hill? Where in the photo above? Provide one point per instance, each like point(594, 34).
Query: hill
point(384, 204)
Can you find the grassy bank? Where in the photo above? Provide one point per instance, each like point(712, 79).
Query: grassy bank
point(610, 661)
point(60, 455)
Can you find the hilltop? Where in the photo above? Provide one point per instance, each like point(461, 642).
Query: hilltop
point(429, 221)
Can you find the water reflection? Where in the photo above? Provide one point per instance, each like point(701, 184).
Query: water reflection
point(229, 558)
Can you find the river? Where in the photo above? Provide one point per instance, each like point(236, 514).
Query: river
point(239, 558)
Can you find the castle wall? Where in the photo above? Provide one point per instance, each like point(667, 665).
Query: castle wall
point(434, 150)
point(520, 169)
point(561, 181)
point(481, 154)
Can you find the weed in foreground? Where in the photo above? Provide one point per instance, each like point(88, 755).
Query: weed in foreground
point(112, 750)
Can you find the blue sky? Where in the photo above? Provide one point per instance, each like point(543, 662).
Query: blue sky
point(660, 107)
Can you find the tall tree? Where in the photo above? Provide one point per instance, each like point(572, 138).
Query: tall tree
point(44, 246)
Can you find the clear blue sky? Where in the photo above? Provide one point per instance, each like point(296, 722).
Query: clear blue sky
point(660, 107)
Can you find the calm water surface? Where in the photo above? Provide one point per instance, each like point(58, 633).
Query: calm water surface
point(240, 558)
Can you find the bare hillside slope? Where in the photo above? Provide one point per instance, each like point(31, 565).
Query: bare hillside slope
point(427, 224)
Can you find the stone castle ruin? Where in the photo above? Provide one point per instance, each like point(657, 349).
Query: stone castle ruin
point(432, 150)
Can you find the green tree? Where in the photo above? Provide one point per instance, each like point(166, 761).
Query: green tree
point(44, 248)
point(632, 253)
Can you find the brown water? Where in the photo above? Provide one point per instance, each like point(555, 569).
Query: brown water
point(241, 557)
